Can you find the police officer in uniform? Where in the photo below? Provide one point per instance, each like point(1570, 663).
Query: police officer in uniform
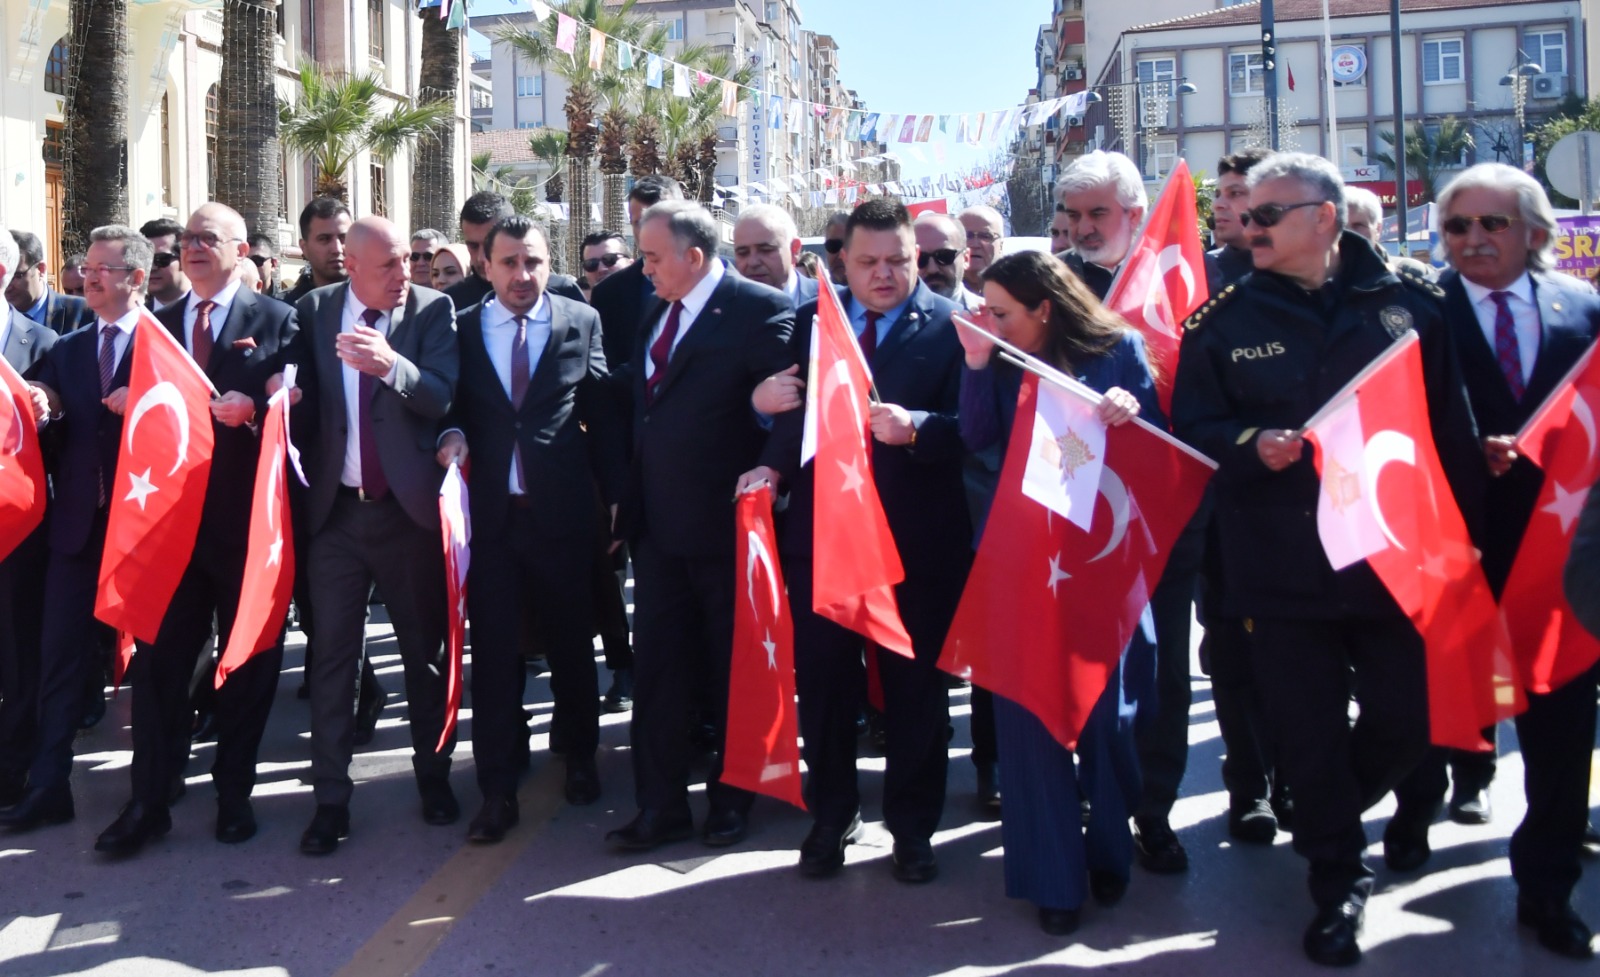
point(1257, 362)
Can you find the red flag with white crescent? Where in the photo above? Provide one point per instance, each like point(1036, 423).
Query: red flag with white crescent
point(1163, 279)
point(163, 466)
point(22, 477)
point(763, 741)
point(1552, 647)
point(455, 526)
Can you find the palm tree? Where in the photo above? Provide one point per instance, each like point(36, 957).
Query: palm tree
point(433, 171)
point(502, 180)
point(336, 117)
point(96, 164)
point(550, 146)
point(1428, 155)
point(249, 157)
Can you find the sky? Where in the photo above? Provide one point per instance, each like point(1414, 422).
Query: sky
point(922, 56)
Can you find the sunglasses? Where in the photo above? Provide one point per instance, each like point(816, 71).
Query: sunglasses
point(164, 258)
point(609, 260)
point(421, 256)
point(260, 260)
point(1268, 215)
point(945, 256)
point(1461, 223)
point(834, 246)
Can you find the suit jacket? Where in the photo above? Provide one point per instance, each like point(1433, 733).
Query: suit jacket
point(26, 344)
point(64, 313)
point(1569, 317)
point(472, 289)
point(700, 434)
point(567, 429)
point(255, 342)
point(806, 289)
point(83, 442)
point(405, 416)
point(1097, 278)
point(918, 367)
point(621, 301)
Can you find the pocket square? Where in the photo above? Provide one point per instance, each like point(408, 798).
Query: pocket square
point(245, 343)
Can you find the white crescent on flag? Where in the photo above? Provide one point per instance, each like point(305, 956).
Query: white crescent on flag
point(1382, 449)
point(1116, 496)
point(757, 549)
point(163, 394)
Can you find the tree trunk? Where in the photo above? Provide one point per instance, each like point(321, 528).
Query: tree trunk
point(580, 195)
point(433, 177)
point(249, 155)
point(96, 173)
point(614, 211)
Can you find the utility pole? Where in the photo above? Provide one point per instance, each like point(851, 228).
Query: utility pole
point(1269, 72)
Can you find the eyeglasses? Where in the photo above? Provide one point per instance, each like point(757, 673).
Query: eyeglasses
point(205, 240)
point(1268, 215)
point(834, 245)
point(422, 256)
point(95, 271)
point(1462, 223)
point(609, 260)
point(163, 259)
point(260, 260)
point(945, 256)
point(983, 236)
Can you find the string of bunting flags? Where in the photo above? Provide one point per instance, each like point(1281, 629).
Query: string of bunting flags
point(822, 188)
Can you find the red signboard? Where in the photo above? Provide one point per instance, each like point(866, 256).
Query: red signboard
point(1385, 191)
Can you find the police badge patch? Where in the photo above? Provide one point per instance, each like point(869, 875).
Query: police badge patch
point(1397, 320)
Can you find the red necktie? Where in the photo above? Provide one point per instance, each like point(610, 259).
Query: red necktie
point(661, 351)
point(869, 337)
point(374, 484)
point(1506, 351)
point(201, 341)
point(519, 390)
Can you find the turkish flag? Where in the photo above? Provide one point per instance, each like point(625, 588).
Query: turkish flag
point(763, 743)
point(1049, 607)
point(1384, 499)
point(1163, 279)
point(455, 525)
point(1552, 647)
point(22, 478)
point(855, 561)
point(269, 551)
point(163, 466)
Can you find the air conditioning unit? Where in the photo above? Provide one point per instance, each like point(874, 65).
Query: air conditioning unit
point(1074, 74)
point(1547, 86)
point(1073, 121)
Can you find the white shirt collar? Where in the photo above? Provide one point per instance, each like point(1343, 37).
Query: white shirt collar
point(1522, 288)
point(495, 314)
point(792, 286)
point(125, 324)
point(701, 293)
point(222, 299)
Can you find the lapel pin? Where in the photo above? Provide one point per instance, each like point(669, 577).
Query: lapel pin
point(716, 311)
point(1556, 306)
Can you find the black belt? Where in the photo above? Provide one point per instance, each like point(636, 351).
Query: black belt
point(351, 492)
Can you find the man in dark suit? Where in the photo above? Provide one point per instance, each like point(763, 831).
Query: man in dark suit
point(378, 362)
point(1518, 329)
point(910, 343)
point(168, 284)
point(765, 246)
point(532, 408)
point(24, 343)
point(30, 293)
point(239, 339)
point(481, 212)
point(84, 378)
point(700, 353)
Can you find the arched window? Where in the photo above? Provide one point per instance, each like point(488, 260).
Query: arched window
point(213, 111)
point(55, 69)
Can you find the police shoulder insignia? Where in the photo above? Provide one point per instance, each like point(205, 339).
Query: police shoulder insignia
point(1396, 319)
point(1211, 305)
point(1410, 277)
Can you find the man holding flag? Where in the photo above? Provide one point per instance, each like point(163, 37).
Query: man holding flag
point(1256, 364)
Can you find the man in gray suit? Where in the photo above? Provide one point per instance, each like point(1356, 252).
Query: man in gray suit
point(378, 367)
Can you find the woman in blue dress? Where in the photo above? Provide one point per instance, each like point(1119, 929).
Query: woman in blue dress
point(1054, 857)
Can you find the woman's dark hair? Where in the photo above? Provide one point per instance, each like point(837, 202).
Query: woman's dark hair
point(1080, 327)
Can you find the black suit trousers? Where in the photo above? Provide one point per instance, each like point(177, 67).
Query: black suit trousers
point(1557, 737)
point(69, 649)
point(514, 571)
point(683, 644)
point(21, 621)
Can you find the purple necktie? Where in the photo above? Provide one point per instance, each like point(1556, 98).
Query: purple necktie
point(108, 371)
point(373, 483)
point(519, 389)
point(1506, 351)
point(661, 351)
point(869, 337)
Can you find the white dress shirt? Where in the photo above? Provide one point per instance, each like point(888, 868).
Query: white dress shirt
point(353, 310)
point(499, 334)
point(693, 303)
point(119, 344)
point(219, 315)
point(1524, 313)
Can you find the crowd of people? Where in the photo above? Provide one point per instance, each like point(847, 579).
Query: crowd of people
point(609, 421)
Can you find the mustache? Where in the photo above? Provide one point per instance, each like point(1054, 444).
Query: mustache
point(1480, 251)
point(1261, 241)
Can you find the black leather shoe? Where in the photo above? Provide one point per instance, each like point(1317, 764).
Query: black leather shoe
point(498, 815)
point(1559, 928)
point(1107, 887)
point(988, 788)
point(583, 780)
point(1405, 843)
point(724, 827)
point(1470, 806)
point(236, 821)
point(329, 826)
point(205, 727)
point(1058, 922)
point(1252, 822)
point(1158, 846)
point(13, 787)
point(38, 807)
point(1283, 807)
point(136, 825)
point(703, 737)
point(1331, 939)
point(914, 862)
point(439, 806)
point(367, 713)
point(651, 829)
point(619, 698)
point(822, 853)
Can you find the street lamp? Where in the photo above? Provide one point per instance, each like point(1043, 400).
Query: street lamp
point(1517, 80)
point(1153, 96)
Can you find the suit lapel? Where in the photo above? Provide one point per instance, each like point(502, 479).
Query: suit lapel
point(1477, 356)
point(907, 326)
point(241, 322)
point(330, 317)
point(552, 342)
point(1555, 312)
point(704, 325)
point(16, 348)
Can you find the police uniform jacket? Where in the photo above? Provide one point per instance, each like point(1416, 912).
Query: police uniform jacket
point(1266, 354)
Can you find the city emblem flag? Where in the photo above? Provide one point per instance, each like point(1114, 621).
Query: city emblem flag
point(566, 33)
point(1552, 647)
point(763, 739)
point(869, 128)
point(1067, 453)
point(458, 16)
point(1163, 279)
point(163, 465)
point(455, 526)
point(1384, 499)
point(908, 129)
point(23, 485)
point(1021, 629)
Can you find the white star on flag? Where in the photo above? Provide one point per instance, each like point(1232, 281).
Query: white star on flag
point(853, 481)
point(140, 489)
point(1567, 506)
point(772, 651)
point(1057, 574)
point(275, 553)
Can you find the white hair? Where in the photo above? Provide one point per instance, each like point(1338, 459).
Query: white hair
point(1094, 170)
point(1316, 174)
point(1364, 200)
point(772, 217)
point(10, 254)
point(1532, 205)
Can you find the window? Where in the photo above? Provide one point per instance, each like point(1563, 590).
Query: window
point(55, 69)
point(773, 11)
point(675, 29)
point(1441, 60)
point(1460, 159)
point(1245, 76)
point(1160, 155)
point(213, 111)
point(1155, 90)
point(55, 135)
point(166, 150)
point(794, 69)
point(530, 123)
point(529, 86)
point(1352, 149)
point(375, 29)
point(1548, 50)
point(380, 190)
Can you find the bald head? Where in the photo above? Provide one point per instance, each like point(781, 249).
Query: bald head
point(942, 253)
point(377, 259)
point(213, 247)
point(985, 230)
